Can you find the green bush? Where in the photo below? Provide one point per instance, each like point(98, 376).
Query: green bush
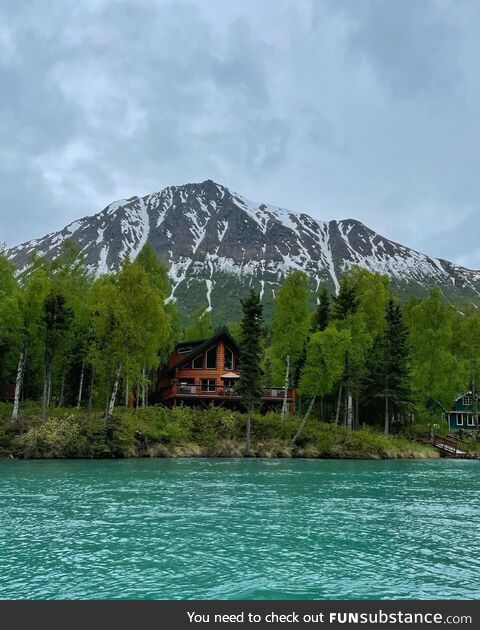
point(185, 430)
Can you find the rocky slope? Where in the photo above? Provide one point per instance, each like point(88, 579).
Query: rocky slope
point(218, 244)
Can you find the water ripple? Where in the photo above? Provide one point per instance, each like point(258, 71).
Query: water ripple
point(239, 529)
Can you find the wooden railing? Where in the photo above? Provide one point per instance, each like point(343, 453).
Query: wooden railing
point(450, 445)
point(222, 391)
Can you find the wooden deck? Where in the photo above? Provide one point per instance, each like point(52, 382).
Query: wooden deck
point(452, 446)
point(177, 390)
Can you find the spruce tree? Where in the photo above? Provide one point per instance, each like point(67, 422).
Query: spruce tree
point(250, 383)
point(346, 302)
point(388, 370)
point(321, 317)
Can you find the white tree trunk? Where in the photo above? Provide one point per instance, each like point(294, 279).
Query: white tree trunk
point(285, 390)
point(126, 391)
point(349, 411)
point(19, 382)
point(339, 402)
point(113, 397)
point(305, 418)
point(80, 387)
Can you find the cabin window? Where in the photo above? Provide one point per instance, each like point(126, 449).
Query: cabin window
point(184, 349)
point(212, 358)
point(208, 385)
point(470, 421)
point(468, 400)
point(187, 386)
point(460, 419)
point(228, 359)
point(198, 362)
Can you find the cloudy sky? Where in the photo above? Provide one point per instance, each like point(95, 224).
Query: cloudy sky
point(361, 109)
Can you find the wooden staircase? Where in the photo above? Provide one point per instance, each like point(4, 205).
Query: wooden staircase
point(452, 446)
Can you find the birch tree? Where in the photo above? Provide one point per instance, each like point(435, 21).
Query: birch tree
point(324, 365)
point(130, 328)
point(30, 342)
point(290, 328)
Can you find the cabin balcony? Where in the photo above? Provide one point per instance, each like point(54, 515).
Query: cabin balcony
point(209, 391)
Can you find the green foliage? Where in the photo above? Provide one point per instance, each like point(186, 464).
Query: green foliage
point(185, 431)
point(325, 361)
point(436, 372)
point(290, 323)
point(201, 326)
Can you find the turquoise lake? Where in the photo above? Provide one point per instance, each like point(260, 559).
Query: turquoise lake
point(239, 529)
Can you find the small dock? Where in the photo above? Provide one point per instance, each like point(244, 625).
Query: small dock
point(452, 446)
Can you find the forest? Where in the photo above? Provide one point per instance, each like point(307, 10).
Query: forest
point(360, 358)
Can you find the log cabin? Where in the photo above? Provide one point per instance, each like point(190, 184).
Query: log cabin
point(206, 371)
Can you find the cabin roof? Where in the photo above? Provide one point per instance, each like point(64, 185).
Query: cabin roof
point(203, 345)
point(462, 395)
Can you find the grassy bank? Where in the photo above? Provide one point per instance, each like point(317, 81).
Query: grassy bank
point(184, 432)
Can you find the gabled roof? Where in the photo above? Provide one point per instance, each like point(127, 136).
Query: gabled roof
point(465, 394)
point(187, 358)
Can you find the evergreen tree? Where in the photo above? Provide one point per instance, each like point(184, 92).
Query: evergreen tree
point(321, 317)
point(250, 385)
point(388, 366)
point(346, 301)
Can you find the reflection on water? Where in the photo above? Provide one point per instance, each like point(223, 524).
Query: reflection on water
point(240, 529)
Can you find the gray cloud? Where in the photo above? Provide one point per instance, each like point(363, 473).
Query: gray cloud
point(341, 108)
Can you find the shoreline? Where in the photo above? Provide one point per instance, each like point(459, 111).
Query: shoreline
point(197, 452)
point(156, 432)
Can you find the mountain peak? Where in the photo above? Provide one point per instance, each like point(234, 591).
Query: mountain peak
point(218, 244)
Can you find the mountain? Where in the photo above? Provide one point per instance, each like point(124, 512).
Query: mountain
point(218, 244)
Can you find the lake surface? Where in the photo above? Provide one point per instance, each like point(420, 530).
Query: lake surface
point(239, 529)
